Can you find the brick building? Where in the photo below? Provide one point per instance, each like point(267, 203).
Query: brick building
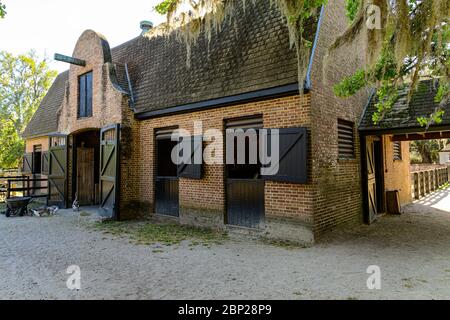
point(102, 130)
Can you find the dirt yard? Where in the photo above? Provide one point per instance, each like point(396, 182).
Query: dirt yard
point(412, 251)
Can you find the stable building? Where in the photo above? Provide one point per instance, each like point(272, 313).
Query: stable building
point(103, 132)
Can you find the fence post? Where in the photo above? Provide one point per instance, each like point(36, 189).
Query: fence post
point(432, 180)
point(8, 192)
point(422, 184)
point(416, 186)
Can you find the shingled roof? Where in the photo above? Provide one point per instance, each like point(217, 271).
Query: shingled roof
point(404, 115)
point(45, 118)
point(248, 54)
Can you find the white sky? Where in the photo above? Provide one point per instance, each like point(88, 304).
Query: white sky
point(53, 26)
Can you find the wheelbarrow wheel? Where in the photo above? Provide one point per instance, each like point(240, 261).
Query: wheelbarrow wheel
point(8, 212)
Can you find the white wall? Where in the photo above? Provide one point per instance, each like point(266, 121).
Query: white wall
point(444, 157)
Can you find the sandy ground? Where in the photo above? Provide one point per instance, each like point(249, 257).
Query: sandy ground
point(413, 252)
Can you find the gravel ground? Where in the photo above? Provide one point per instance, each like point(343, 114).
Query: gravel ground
point(412, 252)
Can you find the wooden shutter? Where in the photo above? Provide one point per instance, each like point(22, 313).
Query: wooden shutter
point(293, 158)
point(110, 171)
point(397, 150)
point(44, 163)
point(346, 140)
point(57, 171)
point(27, 163)
point(192, 170)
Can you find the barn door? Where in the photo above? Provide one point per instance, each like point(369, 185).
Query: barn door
point(109, 171)
point(244, 183)
point(57, 171)
point(166, 184)
point(371, 180)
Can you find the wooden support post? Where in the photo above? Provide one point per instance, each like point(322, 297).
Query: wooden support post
point(416, 186)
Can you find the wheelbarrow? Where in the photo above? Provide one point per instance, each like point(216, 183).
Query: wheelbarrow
point(17, 206)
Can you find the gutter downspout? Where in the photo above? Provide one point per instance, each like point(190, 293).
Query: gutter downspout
point(132, 101)
point(311, 59)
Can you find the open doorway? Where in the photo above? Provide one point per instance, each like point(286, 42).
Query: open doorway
point(244, 183)
point(86, 159)
point(166, 182)
point(375, 177)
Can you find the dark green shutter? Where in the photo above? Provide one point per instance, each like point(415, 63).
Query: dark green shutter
point(57, 171)
point(192, 170)
point(293, 156)
point(44, 163)
point(110, 171)
point(27, 163)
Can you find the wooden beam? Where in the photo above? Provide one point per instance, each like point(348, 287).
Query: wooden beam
point(421, 136)
point(75, 61)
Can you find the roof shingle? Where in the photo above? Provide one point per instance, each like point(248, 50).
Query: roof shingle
point(404, 115)
point(248, 54)
point(45, 119)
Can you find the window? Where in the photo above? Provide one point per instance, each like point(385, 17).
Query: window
point(346, 140)
point(397, 150)
point(85, 95)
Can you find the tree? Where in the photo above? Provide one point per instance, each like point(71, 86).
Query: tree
point(24, 81)
point(408, 39)
point(428, 150)
point(2, 10)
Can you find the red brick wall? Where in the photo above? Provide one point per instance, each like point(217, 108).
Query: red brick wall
point(208, 194)
point(337, 183)
point(106, 100)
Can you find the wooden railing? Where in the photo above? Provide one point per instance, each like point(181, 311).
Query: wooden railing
point(4, 176)
point(26, 187)
point(424, 182)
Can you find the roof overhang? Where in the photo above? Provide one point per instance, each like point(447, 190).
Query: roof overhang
point(276, 92)
point(436, 130)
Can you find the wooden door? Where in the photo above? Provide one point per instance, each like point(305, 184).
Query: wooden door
point(245, 203)
point(371, 180)
point(166, 196)
point(85, 176)
point(166, 182)
point(57, 171)
point(109, 171)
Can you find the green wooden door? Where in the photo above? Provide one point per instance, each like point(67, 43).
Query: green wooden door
point(109, 171)
point(57, 171)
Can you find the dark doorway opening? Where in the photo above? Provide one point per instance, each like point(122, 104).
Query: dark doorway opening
point(166, 184)
point(86, 174)
point(244, 183)
point(379, 176)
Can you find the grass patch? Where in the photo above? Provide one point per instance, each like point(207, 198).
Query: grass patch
point(147, 233)
point(84, 214)
point(444, 186)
